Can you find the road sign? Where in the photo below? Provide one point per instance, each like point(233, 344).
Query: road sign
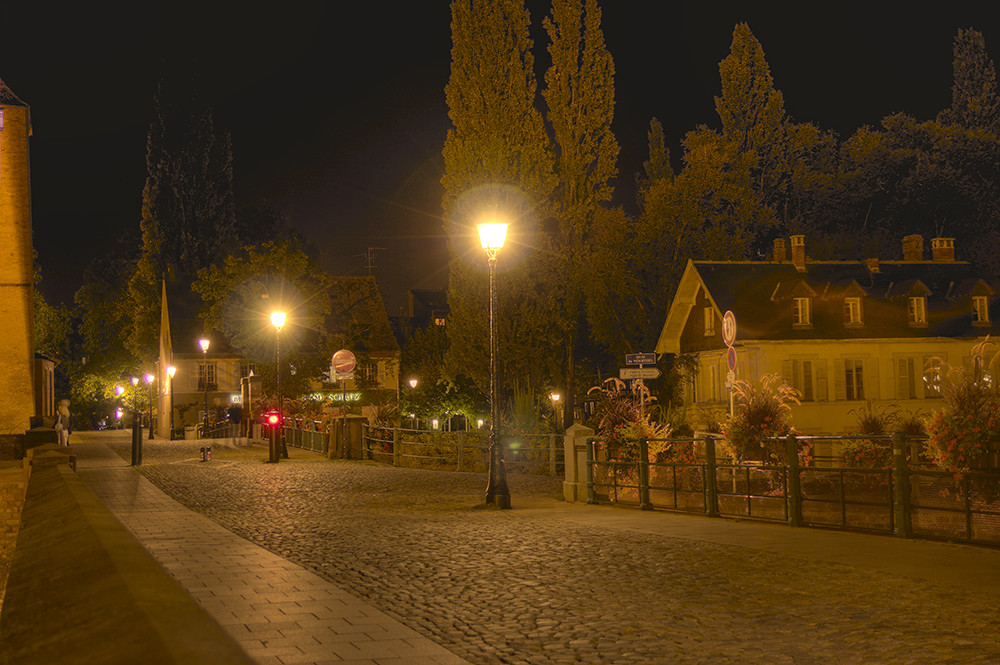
point(731, 358)
point(343, 361)
point(639, 373)
point(640, 358)
point(729, 328)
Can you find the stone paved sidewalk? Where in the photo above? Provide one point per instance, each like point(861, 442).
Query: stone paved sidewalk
point(556, 583)
point(279, 612)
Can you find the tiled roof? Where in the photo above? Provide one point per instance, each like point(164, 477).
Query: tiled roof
point(760, 295)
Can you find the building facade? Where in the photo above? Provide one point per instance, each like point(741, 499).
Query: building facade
point(841, 332)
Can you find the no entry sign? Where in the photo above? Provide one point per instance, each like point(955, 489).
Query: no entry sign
point(344, 361)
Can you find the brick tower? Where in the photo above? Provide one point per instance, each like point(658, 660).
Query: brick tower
point(17, 346)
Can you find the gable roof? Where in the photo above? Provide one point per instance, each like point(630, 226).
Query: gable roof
point(759, 294)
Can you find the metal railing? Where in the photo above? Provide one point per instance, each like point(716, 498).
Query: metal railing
point(905, 499)
point(462, 450)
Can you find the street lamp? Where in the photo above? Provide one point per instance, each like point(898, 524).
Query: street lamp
point(171, 370)
point(136, 428)
point(278, 321)
point(491, 236)
point(555, 409)
point(204, 343)
point(149, 380)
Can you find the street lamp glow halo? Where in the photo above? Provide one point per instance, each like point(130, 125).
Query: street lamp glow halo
point(492, 235)
point(204, 344)
point(149, 378)
point(171, 370)
point(278, 320)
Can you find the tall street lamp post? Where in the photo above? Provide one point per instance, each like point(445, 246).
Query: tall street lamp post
point(278, 321)
point(136, 427)
point(413, 386)
point(491, 237)
point(149, 380)
point(171, 370)
point(204, 344)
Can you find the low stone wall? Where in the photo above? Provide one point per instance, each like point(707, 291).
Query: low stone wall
point(83, 590)
point(13, 483)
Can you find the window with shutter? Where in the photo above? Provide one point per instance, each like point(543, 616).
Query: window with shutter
point(904, 379)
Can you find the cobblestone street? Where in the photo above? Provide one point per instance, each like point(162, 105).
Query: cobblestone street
point(531, 585)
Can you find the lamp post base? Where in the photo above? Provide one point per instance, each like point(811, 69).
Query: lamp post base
point(497, 493)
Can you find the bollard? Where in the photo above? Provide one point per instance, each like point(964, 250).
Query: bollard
point(591, 495)
point(206, 453)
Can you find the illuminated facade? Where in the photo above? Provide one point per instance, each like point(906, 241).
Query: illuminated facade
point(841, 332)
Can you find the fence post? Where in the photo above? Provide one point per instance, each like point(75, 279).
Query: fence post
point(460, 443)
point(644, 503)
point(711, 487)
point(794, 482)
point(552, 454)
point(397, 448)
point(591, 497)
point(901, 487)
point(366, 444)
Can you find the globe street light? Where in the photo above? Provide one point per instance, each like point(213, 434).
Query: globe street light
point(278, 321)
point(491, 236)
point(171, 370)
point(149, 380)
point(204, 343)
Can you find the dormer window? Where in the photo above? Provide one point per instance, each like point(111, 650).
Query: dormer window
point(802, 312)
point(980, 310)
point(852, 311)
point(709, 322)
point(916, 310)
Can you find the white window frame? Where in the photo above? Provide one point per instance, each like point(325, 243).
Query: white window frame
point(904, 369)
point(852, 311)
point(854, 379)
point(916, 310)
point(981, 309)
point(709, 321)
point(802, 311)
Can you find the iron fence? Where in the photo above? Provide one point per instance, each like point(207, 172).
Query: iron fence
point(905, 499)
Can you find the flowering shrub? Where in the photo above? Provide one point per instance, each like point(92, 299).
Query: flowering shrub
point(622, 423)
point(871, 453)
point(762, 412)
point(963, 434)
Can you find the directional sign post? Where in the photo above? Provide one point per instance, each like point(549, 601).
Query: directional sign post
point(639, 373)
point(343, 363)
point(640, 358)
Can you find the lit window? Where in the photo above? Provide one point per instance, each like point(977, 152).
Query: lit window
point(852, 311)
point(854, 379)
point(980, 309)
point(709, 322)
point(802, 312)
point(440, 321)
point(916, 310)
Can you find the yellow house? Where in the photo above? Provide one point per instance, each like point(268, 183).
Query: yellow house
point(841, 332)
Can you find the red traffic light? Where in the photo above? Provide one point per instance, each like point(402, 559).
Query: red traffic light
point(273, 418)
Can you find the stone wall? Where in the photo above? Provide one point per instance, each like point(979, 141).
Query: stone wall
point(13, 484)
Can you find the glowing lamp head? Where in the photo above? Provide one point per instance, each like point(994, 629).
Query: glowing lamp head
point(278, 320)
point(273, 418)
point(119, 390)
point(556, 397)
point(135, 380)
point(171, 370)
point(150, 378)
point(492, 235)
point(413, 383)
point(204, 343)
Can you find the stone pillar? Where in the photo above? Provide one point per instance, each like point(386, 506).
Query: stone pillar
point(575, 458)
point(17, 353)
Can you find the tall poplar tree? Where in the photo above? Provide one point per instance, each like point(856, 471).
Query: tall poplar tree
point(498, 164)
point(580, 95)
point(753, 116)
point(974, 101)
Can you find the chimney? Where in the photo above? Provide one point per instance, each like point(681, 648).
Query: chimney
point(780, 256)
point(943, 249)
point(913, 247)
point(799, 252)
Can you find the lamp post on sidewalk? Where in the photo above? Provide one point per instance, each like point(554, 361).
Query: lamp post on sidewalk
point(136, 426)
point(204, 343)
point(492, 237)
point(278, 321)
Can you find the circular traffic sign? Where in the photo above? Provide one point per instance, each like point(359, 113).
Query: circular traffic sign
point(731, 358)
point(343, 361)
point(729, 328)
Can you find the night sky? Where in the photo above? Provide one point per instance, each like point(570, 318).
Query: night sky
point(337, 114)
